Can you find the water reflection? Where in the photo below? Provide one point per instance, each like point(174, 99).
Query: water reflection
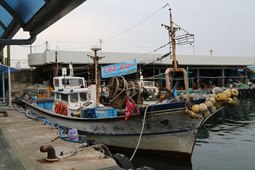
point(226, 141)
point(230, 119)
point(159, 163)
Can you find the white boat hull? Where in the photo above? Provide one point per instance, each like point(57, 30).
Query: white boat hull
point(170, 132)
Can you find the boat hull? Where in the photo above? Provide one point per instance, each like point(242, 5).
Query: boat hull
point(175, 145)
point(168, 132)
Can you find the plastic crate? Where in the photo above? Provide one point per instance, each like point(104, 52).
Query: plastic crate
point(105, 112)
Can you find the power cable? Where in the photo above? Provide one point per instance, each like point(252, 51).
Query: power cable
point(129, 28)
point(181, 28)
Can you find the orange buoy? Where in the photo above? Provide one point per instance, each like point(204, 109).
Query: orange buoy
point(202, 107)
point(209, 104)
point(64, 109)
point(60, 108)
point(231, 101)
point(234, 93)
point(227, 93)
point(57, 108)
point(212, 99)
point(221, 97)
point(193, 114)
point(206, 114)
point(213, 109)
point(195, 108)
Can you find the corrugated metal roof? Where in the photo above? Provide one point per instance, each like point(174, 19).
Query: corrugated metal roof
point(251, 69)
point(78, 57)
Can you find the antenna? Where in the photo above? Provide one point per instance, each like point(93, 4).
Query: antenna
point(183, 39)
point(96, 59)
point(71, 69)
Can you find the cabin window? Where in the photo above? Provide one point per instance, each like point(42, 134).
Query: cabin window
point(65, 82)
point(56, 83)
point(75, 82)
point(74, 98)
point(149, 84)
point(64, 97)
point(83, 96)
point(57, 96)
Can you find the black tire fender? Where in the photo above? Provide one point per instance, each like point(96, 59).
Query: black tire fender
point(122, 161)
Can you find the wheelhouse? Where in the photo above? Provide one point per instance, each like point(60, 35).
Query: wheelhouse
point(68, 82)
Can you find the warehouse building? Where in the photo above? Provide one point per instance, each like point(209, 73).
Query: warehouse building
point(203, 71)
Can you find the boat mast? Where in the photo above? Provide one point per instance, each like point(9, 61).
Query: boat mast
point(179, 40)
point(184, 39)
point(172, 35)
point(96, 59)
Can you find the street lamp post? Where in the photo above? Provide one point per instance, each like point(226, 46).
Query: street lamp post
point(211, 51)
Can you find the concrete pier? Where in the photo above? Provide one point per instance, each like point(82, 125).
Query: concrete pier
point(21, 138)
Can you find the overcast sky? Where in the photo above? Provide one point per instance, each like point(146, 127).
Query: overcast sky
point(225, 26)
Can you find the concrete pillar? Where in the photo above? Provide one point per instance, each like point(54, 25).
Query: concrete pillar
point(3, 87)
point(198, 78)
point(223, 77)
point(8, 56)
point(2, 57)
point(9, 86)
point(246, 76)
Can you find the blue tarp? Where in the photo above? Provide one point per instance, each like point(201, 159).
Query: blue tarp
point(4, 68)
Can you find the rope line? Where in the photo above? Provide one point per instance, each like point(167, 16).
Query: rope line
point(154, 50)
point(141, 133)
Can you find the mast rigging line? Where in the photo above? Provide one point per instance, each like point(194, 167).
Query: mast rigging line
point(159, 58)
point(157, 76)
point(135, 25)
point(81, 67)
point(154, 50)
point(181, 28)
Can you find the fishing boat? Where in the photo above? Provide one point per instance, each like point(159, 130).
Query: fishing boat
point(166, 127)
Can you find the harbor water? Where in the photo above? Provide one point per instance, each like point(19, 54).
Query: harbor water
point(225, 142)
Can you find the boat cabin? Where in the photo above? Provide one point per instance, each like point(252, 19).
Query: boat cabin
point(71, 100)
point(71, 93)
point(64, 82)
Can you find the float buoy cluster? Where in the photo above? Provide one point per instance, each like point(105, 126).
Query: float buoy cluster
point(229, 96)
point(199, 111)
point(212, 103)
